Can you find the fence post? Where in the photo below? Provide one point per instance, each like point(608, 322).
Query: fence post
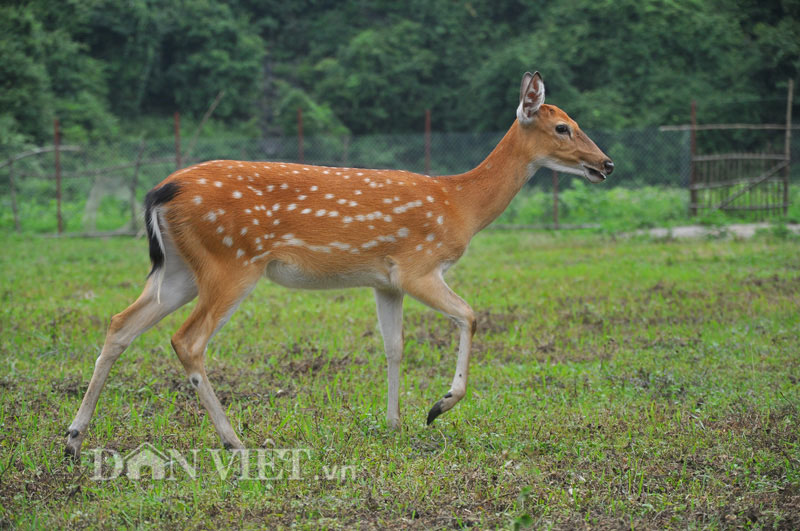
point(56, 142)
point(788, 146)
point(177, 122)
point(427, 141)
point(693, 152)
point(555, 199)
point(134, 183)
point(12, 189)
point(300, 153)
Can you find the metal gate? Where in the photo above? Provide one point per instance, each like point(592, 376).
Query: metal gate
point(752, 184)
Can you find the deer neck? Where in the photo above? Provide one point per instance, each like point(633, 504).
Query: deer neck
point(485, 191)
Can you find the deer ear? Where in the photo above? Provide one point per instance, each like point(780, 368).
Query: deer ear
point(531, 97)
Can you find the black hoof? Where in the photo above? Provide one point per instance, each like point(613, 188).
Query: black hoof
point(71, 453)
point(435, 411)
point(73, 434)
point(227, 445)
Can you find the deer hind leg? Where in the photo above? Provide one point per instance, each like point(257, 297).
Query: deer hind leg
point(434, 292)
point(177, 288)
point(390, 318)
point(214, 308)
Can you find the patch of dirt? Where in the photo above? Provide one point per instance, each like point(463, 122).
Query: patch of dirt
point(742, 230)
point(70, 386)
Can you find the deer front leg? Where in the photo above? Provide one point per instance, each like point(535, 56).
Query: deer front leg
point(390, 319)
point(434, 292)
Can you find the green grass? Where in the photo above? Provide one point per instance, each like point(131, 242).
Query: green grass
point(609, 209)
point(620, 209)
point(613, 384)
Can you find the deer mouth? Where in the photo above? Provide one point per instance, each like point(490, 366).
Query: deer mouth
point(593, 175)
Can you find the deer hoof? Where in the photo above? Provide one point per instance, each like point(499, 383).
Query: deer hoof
point(435, 411)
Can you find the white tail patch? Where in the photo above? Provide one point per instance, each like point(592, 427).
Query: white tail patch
point(159, 273)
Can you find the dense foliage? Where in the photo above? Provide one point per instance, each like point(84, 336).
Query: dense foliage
point(106, 67)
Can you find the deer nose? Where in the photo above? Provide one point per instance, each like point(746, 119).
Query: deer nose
point(608, 166)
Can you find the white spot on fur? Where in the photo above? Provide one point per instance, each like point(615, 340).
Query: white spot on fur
point(227, 240)
point(320, 212)
point(292, 206)
point(430, 237)
point(260, 256)
point(440, 220)
point(300, 197)
point(402, 232)
point(333, 214)
point(237, 194)
point(328, 196)
point(239, 253)
point(305, 211)
point(211, 216)
point(370, 244)
point(218, 184)
point(243, 231)
point(347, 219)
point(197, 200)
point(357, 192)
point(314, 188)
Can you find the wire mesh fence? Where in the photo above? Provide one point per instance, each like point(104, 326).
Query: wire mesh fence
point(103, 185)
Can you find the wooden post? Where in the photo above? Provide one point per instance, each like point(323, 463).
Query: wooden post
point(693, 152)
point(56, 142)
point(134, 184)
point(555, 199)
point(427, 141)
point(300, 146)
point(788, 146)
point(12, 189)
point(346, 151)
point(177, 121)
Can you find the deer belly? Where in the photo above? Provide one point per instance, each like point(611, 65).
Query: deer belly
point(293, 276)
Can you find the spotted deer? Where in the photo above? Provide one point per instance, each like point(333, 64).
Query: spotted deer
point(216, 228)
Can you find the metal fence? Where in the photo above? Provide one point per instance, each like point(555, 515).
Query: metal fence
point(102, 184)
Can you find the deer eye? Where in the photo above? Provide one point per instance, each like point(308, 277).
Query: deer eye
point(562, 129)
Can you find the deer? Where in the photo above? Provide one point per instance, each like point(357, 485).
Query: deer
point(215, 228)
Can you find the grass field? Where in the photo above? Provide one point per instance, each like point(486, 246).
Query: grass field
point(613, 384)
